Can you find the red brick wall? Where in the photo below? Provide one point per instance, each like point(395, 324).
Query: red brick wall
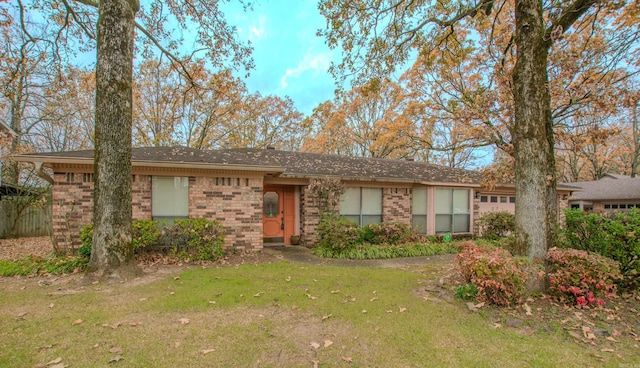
point(235, 202)
point(396, 205)
point(72, 208)
point(309, 217)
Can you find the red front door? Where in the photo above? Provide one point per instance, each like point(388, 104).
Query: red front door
point(278, 217)
point(273, 213)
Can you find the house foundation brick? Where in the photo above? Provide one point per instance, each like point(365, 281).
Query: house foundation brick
point(309, 216)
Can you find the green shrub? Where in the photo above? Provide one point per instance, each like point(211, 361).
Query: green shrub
point(197, 239)
point(581, 277)
point(498, 276)
point(384, 251)
point(392, 233)
point(145, 234)
point(497, 225)
point(338, 233)
point(615, 236)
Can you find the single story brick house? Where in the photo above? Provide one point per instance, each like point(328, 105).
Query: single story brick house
point(262, 195)
point(613, 192)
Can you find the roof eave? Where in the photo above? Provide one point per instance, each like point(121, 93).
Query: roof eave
point(149, 163)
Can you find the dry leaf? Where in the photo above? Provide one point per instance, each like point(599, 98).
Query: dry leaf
point(134, 324)
point(59, 365)
point(389, 311)
point(311, 296)
point(327, 343)
point(258, 294)
point(22, 314)
point(575, 335)
point(77, 322)
point(347, 359)
point(335, 291)
point(315, 363)
point(184, 321)
point(607, 350)
point(116, 358)
point(116, 350)
point(527, 308)
point(288, 279)
point(51, 305)
point(314, 345)
point(177, 278)
point(479, 305)
point(610, 338)
point(142, 299)
point(364, 311)
point(497, 325)
point(327, 316)
point(177, 344)
point(402, 309)
point(55, 361)
point(205, 352)
point(373, 299)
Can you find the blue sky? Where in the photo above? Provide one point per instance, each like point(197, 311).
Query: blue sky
point(290, 60)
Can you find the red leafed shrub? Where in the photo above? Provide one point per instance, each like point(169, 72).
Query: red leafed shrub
point(499, 277)
point(581, 277)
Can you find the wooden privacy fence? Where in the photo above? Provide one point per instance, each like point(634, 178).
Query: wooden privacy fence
point(34, 220)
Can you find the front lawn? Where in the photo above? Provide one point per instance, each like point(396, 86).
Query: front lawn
point(283, 314)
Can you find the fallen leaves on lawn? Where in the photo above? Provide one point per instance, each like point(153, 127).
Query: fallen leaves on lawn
point(184, 321)
point(347, 359)
point(327, 343)
point(207, 351)
point(314, 345)
point(77, 322)
point(116, 358)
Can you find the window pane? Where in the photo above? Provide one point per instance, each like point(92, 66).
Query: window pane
point(461, 201)
point(350, 201)
point(271, 204)
point(461, 223)
point(419, 201)
point(419, 223)
point(352, 218)
point(170, 196)
point(443, 223)
point(371, 219)
point(372, 201)
point(443, 200)
point(483, 199)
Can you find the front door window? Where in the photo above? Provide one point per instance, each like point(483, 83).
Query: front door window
point(271, 204)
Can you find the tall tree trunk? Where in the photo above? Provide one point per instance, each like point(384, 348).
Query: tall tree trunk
point(112, 251)
point(536, 201)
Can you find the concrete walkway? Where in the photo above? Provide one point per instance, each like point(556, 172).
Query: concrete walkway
point(300, 254)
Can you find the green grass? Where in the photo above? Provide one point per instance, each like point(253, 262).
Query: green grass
point(42, 265)
point(269, 315)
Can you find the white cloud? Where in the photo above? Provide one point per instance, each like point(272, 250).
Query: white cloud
point(317, 63)
point(258, 30)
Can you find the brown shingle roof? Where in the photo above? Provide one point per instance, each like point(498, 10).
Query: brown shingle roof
point(292, 164)
point(611, 189)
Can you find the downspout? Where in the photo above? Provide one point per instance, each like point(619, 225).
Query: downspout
point(41, 173)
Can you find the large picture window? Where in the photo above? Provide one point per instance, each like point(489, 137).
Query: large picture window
point(169, 197)
point(362, 205)
point(419, 210)
point(452, 210)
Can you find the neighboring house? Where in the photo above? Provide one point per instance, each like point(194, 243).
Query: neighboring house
point(261, 195)
point(613, 192)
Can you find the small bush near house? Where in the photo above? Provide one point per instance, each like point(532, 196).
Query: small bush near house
point(391, 233)
point(580, 277)
point(342, 238)
point(196, 239)
point(145, 234)
point(338, 233)
point(497, 225)
point(615, 236)
point(498, 276)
